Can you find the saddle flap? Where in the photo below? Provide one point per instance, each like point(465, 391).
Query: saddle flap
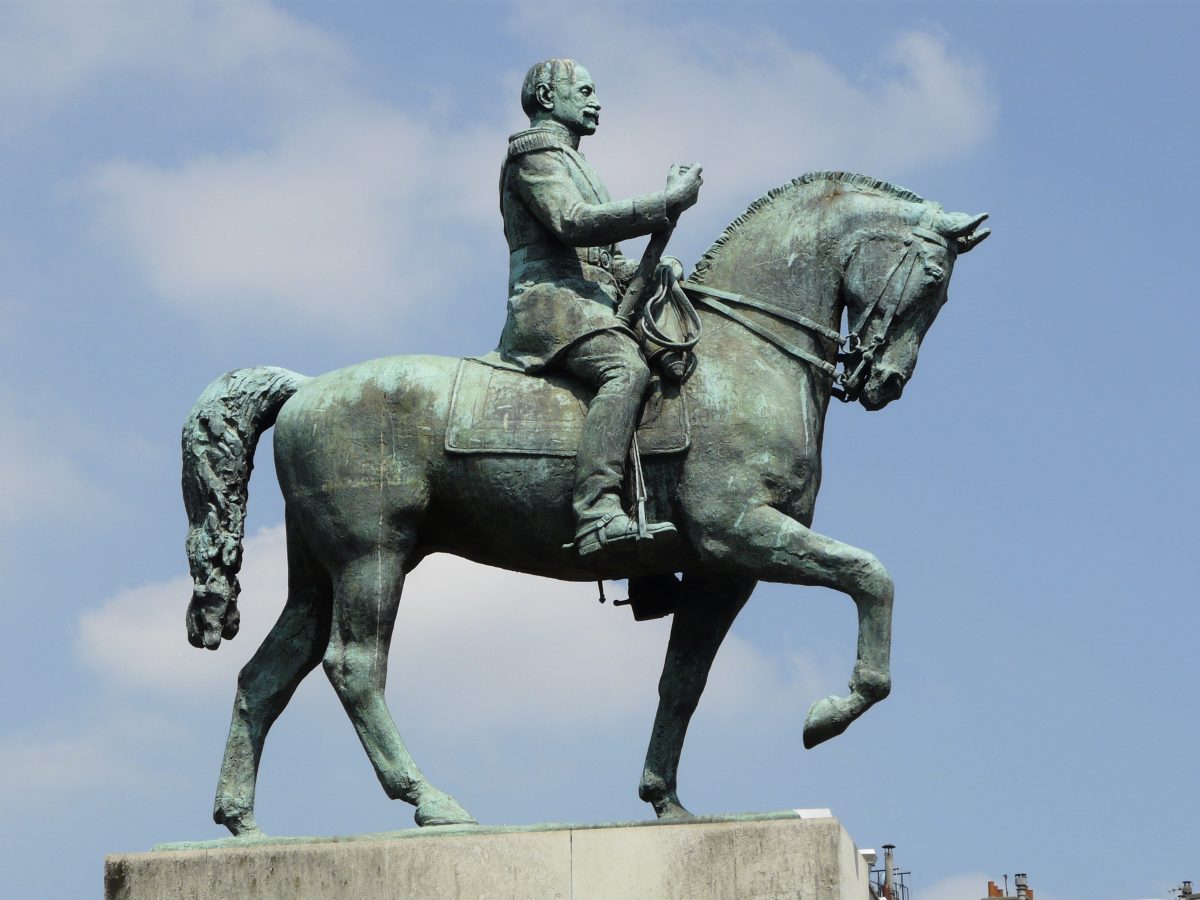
point(496, 408)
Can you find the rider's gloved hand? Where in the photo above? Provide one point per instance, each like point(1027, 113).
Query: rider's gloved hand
point(683, 188)
point(676, 267)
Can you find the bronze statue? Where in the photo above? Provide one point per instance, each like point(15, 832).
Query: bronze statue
point(386, 462)
point(566, 275)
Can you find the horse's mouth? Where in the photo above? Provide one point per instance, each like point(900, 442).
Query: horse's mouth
point(882, 388)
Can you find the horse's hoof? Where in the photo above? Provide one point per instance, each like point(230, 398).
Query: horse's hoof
point(673, 812)
point(827, 718)
point(665, 802)
point(240, 824)
point(442, 809)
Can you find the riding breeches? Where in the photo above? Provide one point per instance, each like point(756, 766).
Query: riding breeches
point(611, 362)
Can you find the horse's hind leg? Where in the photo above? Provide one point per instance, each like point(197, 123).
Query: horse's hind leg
point(291, 650)
point(366, 598)
point(707, 608)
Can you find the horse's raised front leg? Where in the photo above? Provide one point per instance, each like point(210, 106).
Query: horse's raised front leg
point(366, 597)
point(768, 545)
point(707, 607)
point(291, 650)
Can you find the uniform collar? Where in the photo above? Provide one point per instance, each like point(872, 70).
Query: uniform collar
point(545, 135)
point(562, 133)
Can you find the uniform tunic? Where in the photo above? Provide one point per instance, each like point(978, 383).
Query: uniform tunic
point(565, 272)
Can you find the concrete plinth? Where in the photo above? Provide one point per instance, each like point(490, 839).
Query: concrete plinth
point(780, 855)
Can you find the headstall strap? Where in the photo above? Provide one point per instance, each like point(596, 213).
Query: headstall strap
point(846, 385)
point(932, 236)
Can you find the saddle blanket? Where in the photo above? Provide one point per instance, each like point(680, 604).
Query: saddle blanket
point(497, 408)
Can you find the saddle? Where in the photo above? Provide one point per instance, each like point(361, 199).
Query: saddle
point(496, 408)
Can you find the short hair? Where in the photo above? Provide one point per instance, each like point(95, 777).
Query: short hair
point(548, 72)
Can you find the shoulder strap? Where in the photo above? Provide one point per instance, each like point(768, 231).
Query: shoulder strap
point(534, 139)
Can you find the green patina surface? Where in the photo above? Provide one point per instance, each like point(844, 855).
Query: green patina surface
point(371, 488)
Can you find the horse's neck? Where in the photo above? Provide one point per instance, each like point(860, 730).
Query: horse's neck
point(777, 257)
point(772, 260)
point(775, 266)
point(745, 375)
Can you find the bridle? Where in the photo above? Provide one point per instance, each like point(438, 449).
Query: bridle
point(853, 356)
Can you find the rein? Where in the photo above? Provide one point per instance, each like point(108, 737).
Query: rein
point(711, 298)
point(846, 384)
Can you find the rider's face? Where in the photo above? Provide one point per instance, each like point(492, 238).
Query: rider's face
point(575, 104)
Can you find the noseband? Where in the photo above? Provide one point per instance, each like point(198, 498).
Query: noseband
point(854, 358)
point(848, 383)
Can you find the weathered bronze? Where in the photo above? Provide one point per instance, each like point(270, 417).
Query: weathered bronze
point(566, 275)
point(386, 462)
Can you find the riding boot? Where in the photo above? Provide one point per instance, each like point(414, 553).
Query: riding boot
point(603, 448)
point(615, 366)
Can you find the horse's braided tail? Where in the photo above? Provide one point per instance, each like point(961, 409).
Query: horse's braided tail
point(219, 438)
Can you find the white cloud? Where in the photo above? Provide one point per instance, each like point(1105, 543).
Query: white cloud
point(353, 207)
point(138, 639)
point(504, 647)
point(340, 203)
point(756, 109)
point(28, 764)
point(41, 477)
point(336, 205)
point(349, 213)
point(480, 646)
point(52, 54)
point(67, 761)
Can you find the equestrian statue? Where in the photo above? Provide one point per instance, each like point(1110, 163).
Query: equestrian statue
point(631, 424)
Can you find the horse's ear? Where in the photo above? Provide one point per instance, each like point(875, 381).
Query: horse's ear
point(960, 228)
point(955, 225)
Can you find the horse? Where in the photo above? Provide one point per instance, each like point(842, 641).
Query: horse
point(370, 488)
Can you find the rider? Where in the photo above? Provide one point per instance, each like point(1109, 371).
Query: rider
point(565, 279)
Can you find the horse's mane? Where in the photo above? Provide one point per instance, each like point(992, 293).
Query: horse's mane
point(863, 182)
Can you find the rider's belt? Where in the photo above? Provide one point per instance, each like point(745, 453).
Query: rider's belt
point(597, 256)
point(600, 257)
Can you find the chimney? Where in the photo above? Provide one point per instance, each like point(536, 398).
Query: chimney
point(994, 890)
point(889, 871)
point(1022, 886)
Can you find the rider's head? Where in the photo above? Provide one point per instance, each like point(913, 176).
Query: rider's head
point(562, 91)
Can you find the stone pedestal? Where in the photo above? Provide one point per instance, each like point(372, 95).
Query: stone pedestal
point(798, 854)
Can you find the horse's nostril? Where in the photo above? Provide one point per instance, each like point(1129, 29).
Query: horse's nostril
point(891, 387)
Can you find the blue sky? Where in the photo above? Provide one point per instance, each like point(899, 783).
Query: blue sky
point(195, 187)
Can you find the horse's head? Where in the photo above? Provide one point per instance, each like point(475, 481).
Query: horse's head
point(895, 283)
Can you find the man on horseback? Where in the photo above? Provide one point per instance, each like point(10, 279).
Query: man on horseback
point(566, 275)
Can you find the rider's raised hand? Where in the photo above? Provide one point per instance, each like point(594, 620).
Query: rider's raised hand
point(683, 188)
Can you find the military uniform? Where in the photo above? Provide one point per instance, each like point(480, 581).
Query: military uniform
point(565, 271)
point(565, 279)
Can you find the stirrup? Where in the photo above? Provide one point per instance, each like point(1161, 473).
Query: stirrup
point(612, 529)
